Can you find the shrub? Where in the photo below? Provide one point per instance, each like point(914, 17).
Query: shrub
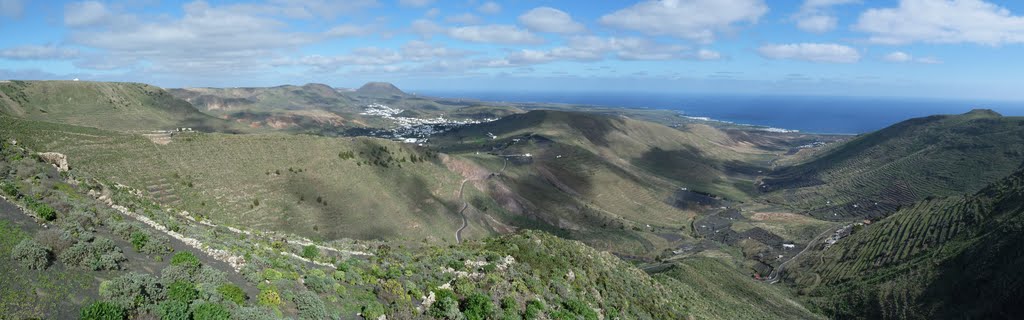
point(232, 293)
point(478, 306)
point(318, 283)
point(185, 259)
point(123, 229)
point(580, 308)
point(45, 211)
point(446, 306)
point(372, 310)
point(174, 310)
point(102, 311)
point(100, 254)
point(269, 297)
point(132, 291)
point(139, 240)
point(253, 313)
point(9, 189)
point(55, 239)
point(534, 308)
point(182, 291)
point(211, 311)
point(310, 252)
point(31, 254)
point(310, 306)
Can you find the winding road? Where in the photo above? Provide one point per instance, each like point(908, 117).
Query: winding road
point(465, 204)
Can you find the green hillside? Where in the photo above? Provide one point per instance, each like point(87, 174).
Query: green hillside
point(945, 257)
point(108, 105)
point(877, 172)
point(120, 265)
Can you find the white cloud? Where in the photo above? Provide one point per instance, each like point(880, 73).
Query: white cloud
point(814, 52)
point(815, 17)
point(414, 3)
point(432, 13)
point(495, 33)
point(85, 13)
point(698, 20)
point(34, 52)
point(489, 7)
point(903, 57)
point(547, 19)
point(594, 48)
point(948, 22)
point(465, 18)
point(898, 56)
point(817, 23)
point(422, 51)
point(349, 30)
point(425, 28)
point(704, 54)
point(11, 8)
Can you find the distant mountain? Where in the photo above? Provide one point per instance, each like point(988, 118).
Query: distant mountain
point(876, 173)
point(109, 105)
point(942, 258)
point(380, 88)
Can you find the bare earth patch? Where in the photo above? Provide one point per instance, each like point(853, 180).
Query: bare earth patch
point(779, 217)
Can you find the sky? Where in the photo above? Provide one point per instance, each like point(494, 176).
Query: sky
point(907, 48)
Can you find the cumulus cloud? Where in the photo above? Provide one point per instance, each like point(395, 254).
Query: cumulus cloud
point(814, 52)
point(946, 22)
point(35, 52)
point(495, 33)
point(489, 7)
point(903, 57)
point(425, 28)
point(85, 13)
point(349, 30)
point(594, 48)
point(547, 19)
point(697, 20)
point(815, 16)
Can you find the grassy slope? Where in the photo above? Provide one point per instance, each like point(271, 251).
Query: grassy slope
point(940, 258)
point(714, 289)
point(877, 172)
point(222, 176)
point(109, 105)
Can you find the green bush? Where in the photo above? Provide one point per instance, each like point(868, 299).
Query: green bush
point(478, 306)
point(139, 240)
point(100, 254)
point(446, 306)
point(318, 283)
point(310, 252)
point(269, 297)
point(534, 309)
point(232, 293)
point(103, 311)
point(310, 306)
point(132, 291)
point(45, 211)
point(211, 311)
point(31, 254)
point(10, 189)
point(580, 309)
point(372, 310)
point(182, 291)
point(174, 310)
point(185, 259)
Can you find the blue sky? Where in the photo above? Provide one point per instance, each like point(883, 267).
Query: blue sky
point(913, 48)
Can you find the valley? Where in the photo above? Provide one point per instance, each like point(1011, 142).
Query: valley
point(376, 203)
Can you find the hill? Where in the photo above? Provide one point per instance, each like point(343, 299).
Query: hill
point(878, 172)
point(110, 105)
point(380, 89)
point(109, 269)
point(944, 257)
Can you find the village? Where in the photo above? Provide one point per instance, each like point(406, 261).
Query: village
point(413, 130)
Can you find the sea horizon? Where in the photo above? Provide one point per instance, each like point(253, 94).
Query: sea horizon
point(805, 113)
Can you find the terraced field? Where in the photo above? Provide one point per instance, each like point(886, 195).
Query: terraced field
point(915, 260)
point(873, 175)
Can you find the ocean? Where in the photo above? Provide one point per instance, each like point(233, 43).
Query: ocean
point(817, 114)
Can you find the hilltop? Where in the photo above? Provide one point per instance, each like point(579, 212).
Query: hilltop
point(110, 105)
point(876, 173)
point(380, 89)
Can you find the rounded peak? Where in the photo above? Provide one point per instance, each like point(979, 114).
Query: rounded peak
point(380, 88)
point(983, 112)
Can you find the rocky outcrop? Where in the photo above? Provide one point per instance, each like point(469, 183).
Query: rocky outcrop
point(58, 160)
